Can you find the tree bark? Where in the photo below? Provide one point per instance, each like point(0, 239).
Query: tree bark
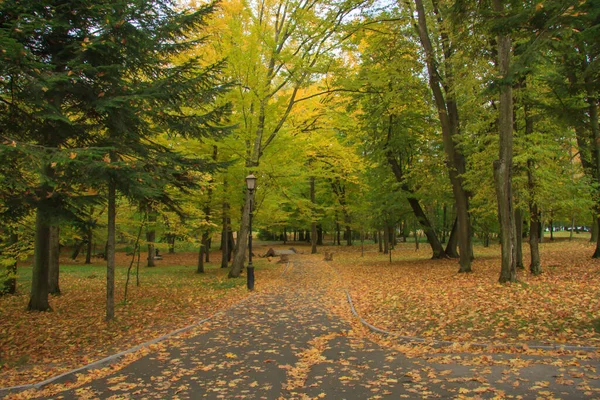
point(39, 282)
point(171, 244)
point(110, 251)
point(453, 241)
point(225, 248)
point(151, 236)
point(239, 254)
point(90, 239)
point(449, 121)
point(503, 166)
point(319, 235)
point(592, 101)
point(519, 237)
point(534, 239)
point(54, 260)
point(432, 238)
point(386, 239)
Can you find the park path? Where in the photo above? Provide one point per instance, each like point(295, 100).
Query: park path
point(296, 342)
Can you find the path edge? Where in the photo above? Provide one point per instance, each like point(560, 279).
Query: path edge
point(446, 343)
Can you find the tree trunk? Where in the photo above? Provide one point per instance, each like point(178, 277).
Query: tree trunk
point(534, 239)
point(594, 235)
point(110, 251)
point(225, 248)
point(453, 241)
point(313, 225)
point(449, 121)
point(445, 226)
point(416, 237)
point(319, 235)
point(151, 236)
point(54, 260)
point(239, 254)
point(90, 240)
point(503, 166)
point(77, 250)
point(200, 266)
point(338, 233)
point(348, 235)
point(519, 237)
point(386, 239)
point(380, 241)
point(171, 244)
point(432, 238)
point(551, 228)
point(39, 282)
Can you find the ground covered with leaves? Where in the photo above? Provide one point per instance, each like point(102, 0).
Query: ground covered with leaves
point(415, 296)
point(35, 346)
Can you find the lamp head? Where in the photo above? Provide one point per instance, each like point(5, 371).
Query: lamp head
point(251, 182)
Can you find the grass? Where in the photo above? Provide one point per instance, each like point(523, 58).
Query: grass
point(35, 346)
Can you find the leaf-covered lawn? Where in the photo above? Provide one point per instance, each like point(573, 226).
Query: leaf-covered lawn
point(35, 346)
point(415, 296)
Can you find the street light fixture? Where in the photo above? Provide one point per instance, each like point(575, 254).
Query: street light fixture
point(251, 185)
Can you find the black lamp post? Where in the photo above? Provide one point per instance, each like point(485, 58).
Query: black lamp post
point(251, 185)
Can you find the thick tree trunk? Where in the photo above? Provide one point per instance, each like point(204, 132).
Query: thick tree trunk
point(453, 241)
point(337, 233)
point(595, 128)
point(595, 229)
point(503, 166)
point(380, 241)
point(110, 251)
point(348, 235)
point(519, 237)
point(239, 254)
point(54, 260)
point(39, 282)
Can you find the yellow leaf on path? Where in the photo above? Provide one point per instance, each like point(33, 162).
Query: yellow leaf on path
point(230, 355)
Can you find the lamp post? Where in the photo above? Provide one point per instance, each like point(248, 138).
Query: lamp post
point(251, 185)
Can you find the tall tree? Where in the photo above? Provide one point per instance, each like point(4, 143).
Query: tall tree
point(441, 83)
point(504, 165)
point(274, 50)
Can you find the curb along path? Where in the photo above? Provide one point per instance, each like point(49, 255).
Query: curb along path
point(289, 343)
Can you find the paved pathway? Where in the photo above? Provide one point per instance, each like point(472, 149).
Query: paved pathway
point(289, 344)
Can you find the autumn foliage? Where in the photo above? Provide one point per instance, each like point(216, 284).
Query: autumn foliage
point(37, 346)
point(414, 296)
